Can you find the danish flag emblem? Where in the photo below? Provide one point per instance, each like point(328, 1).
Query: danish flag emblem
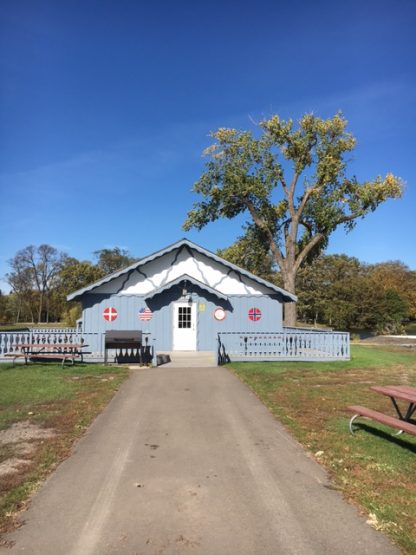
point(110, 314)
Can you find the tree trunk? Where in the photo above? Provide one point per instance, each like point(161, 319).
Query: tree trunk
point(19, 307)
point(290, 315)
point(290, 308)
point(40, 308)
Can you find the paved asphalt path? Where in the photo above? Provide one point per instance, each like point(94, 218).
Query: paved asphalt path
point(188, 461)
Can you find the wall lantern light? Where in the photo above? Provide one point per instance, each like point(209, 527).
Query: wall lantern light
point(187, 295)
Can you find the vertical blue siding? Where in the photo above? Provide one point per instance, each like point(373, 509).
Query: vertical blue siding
point(237, 318)
point(161, 324)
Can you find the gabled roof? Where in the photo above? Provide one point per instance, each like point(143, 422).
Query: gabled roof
point(288, 297)
point(189, 279)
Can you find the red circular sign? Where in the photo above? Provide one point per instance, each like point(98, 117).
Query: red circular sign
point(110, 314)
point(254, 314)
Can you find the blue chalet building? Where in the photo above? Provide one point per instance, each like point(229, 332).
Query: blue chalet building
point(186, 298)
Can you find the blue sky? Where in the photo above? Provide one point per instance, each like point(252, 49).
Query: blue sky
point(105, 108)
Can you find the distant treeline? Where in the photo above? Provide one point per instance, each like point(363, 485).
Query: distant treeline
point(338, 290)
point(344, 293)
point(334, 290)
point(41, 277)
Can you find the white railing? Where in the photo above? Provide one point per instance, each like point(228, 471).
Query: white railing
point(10, 341)
point(93, 351)
point(313, 345)
point(283, 345)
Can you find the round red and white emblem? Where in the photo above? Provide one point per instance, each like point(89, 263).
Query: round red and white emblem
point(254, 314)
point(219, 314)
point(110, 314)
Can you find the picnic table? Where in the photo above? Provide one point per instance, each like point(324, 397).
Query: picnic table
point(39, 351)
point(403, 420)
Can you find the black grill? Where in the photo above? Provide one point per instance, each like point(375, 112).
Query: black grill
point(128, 345)
point(123, 338)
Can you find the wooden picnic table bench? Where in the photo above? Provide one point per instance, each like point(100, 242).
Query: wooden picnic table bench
point(56, 351)
point(403, 419)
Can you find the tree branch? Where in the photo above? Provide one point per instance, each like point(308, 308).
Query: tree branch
point(294, 183)
point(350, 217)
point(284, 187)
point(258, 220)
point(285, 223)
point(307, 249)
point(304, 200)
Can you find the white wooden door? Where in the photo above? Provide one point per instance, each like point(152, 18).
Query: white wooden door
point(184, 326)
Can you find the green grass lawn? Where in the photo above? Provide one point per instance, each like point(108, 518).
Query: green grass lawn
point(45, 396)
point(373, 468)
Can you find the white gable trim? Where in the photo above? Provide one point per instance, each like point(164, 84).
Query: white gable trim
point(172, 266)
point(189, 279)
point(245, 277)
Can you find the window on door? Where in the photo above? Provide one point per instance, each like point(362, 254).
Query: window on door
point(184, 317)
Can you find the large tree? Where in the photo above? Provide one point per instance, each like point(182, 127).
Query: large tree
point(111, 260)
point(36, 269)
point(291, 181)
point(396, 276)
point(251, 253)
point(76, 274)
point(20, 280)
